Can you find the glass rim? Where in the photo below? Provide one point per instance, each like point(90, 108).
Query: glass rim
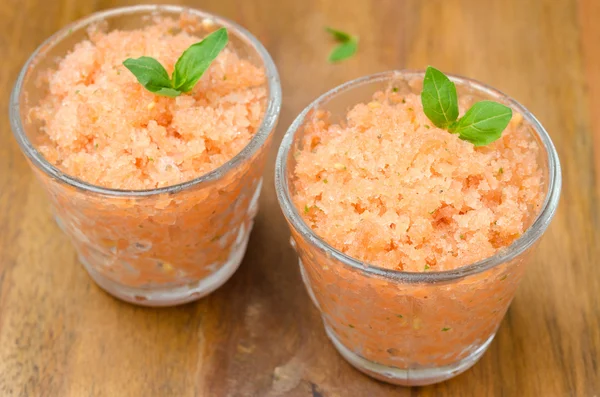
point(526, 240)
point(265, 129)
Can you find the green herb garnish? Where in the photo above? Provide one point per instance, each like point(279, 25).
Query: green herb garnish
point(446, 329)
point(426, 267)
point(189, 68)
point(439, 99)
point(481, 125)
point(348, 45)
point(399, 315)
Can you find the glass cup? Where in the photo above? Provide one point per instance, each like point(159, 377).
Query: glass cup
point(163, 246)
point(401, 327)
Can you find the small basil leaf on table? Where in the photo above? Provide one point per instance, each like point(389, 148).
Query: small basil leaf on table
point(340, 36)
point(348, 45)
point(343, 51)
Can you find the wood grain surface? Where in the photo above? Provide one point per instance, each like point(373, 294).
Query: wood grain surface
point(259, 335)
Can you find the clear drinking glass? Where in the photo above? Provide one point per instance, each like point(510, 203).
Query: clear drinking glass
point(162, 246)
point(401, 327)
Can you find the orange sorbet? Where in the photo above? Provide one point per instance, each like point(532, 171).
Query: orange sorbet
point(101, 126)
point(390, 189)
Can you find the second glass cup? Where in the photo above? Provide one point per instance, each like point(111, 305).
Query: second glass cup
point(402, 327)
point(163, 246)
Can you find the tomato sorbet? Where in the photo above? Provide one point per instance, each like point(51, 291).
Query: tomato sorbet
point(98, 124)
point(105, 128)
point(389, 189)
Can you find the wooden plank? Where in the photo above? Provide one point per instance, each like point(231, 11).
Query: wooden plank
point(259, 335)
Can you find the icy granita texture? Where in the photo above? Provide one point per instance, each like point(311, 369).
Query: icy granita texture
point(98, 124)
point(386, 187)
point(105, 128)
point(390, 189)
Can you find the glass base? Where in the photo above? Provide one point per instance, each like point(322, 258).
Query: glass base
point(159, 297)
point(408, 377)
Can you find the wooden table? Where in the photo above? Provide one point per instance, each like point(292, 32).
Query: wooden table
point(259, 335)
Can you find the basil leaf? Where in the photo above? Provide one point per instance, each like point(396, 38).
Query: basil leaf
point(483, 123)
point(439, 98)
point(196, 59)
point(170, 92)
point(343, 51)
point(340, 36)
point(150, 73)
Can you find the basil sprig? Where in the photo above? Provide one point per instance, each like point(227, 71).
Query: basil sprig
point(347, 47)
point(189, 68)
point(481, 125)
